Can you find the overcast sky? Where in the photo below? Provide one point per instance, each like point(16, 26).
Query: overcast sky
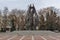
point(23, 4)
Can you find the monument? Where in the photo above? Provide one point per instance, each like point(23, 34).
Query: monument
point(31, 18)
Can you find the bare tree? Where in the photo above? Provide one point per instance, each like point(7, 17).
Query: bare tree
point(5, 11)
point(42, 22)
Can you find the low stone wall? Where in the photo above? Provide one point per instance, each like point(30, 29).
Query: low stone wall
point(34, 32)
